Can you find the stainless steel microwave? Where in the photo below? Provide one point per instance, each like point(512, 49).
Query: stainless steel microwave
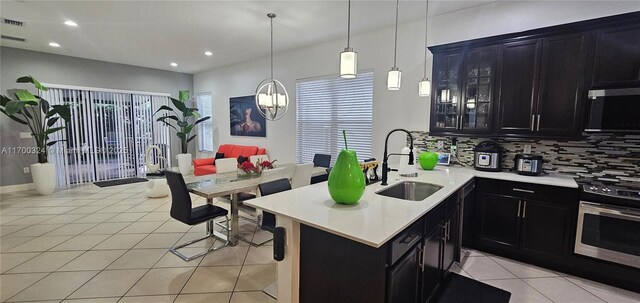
point(614, 110)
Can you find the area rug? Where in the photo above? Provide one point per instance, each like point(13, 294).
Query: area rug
point(460, 289)
point(119, 182)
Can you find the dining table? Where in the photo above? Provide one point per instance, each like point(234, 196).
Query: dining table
point(231, 184)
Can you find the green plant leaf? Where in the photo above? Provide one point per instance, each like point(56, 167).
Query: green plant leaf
point(183, 95)
point(29, 79)
point(4, 100)
point(14, 107)
point(14, 118)
point(191, 138)
point(172, 117)
point(179, 105)
point(164, 107)
point(45, 106)
point(181, 135)
point(188, 129)
point(183, 123)
point(63, 110)
point(53, 142)
point(25, 95)
point(52, 130)
point(202, 120)
point(27, 113)
point(52, 121)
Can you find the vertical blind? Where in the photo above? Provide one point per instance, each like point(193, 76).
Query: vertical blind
point(325, 107)
point(205, 129)
point(107, 135)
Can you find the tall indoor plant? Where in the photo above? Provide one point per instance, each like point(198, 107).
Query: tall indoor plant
point(41, 117)
point(181, 119)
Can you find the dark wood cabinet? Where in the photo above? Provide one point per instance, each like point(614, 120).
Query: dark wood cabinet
point(450, 240)
point(561, 89)
point(617, 57)
point(432, 264)
point(403, 279)
point(498, 219)
point(519, 68)
point(545, 228)
point(445, 109)
point(525, 221)
point(476, 105)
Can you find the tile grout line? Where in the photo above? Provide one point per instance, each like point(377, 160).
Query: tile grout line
point(585, 289)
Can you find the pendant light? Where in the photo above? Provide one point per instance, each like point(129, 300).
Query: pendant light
point(395, 74)
point(424, 86)
point(272, 99)
point(348, 58)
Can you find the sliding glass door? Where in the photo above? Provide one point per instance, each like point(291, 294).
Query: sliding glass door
point(107, 135)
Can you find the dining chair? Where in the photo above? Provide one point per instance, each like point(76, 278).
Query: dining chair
point(269, 220)
point(182, 210)
point(322, 160)
point(272, 174)
point(302, 175)
point(226, 165)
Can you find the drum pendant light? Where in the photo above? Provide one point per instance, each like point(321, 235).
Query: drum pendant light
point(272, 99)
point(424, 86)
point(395, 74)
point(348, 57)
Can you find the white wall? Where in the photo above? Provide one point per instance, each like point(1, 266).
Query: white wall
point(399, 109)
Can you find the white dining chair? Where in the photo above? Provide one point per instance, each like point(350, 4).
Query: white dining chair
point(272, 174)
point(226, 165)
point(302, 175)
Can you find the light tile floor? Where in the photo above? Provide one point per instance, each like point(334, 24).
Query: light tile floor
point(91, 244)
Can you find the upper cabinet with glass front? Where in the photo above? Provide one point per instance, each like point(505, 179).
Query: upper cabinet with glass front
point(446, 95)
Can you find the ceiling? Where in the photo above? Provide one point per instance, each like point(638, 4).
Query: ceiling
point(154, 33)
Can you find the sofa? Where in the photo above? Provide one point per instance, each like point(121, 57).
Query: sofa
point(207, 166)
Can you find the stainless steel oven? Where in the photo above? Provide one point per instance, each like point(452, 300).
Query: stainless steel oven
point(609, 232)
point(614, 110)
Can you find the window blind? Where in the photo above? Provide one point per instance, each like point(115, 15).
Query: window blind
point(205, 129)
point(325, 107)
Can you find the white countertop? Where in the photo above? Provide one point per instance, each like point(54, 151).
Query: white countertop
point(376, 218)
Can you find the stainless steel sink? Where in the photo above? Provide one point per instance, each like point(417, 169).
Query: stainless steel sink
point(410, 190)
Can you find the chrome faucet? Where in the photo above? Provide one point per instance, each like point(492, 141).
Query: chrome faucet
point(385, 164)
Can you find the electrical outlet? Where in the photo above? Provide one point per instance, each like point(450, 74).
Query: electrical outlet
point(527, 148)
point(25, 135)
point(25, 169)
point(440, 144)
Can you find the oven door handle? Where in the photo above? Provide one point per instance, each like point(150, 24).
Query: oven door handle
point(610, 211)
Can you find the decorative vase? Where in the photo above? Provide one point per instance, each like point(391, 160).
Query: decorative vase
point(44, 177)
point(184, 163)
point(346, 180)
point(428, 160)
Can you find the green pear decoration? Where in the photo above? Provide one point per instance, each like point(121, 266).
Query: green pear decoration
point(346, 180)
point(428, 160)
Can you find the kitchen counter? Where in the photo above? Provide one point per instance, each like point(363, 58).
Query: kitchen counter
point(376, 218)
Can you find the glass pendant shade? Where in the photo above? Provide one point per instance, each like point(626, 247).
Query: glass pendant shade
point(424, 88)
point(393, 79)
point(348, 63)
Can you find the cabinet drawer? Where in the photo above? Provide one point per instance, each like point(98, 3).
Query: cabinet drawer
point(405, 241)
point(434, 217)
point(527, 190)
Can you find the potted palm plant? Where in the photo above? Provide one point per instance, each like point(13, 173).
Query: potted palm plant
point(41, 117)
point(181, 119)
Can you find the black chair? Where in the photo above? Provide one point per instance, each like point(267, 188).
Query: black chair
point(182, 210)
point(268, 188)
point(321, 160)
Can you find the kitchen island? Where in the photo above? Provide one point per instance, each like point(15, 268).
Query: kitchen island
point(352, 251)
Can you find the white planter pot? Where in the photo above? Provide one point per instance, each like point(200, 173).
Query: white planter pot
point(44, 177)
point(184, 163)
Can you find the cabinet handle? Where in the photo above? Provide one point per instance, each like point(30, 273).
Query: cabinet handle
point(533, 122)
point(519, 205)
point(444, 232)
point(524, 209)
point(449, 230)
point(421, 250)
point(538, 126)
point(524, 190)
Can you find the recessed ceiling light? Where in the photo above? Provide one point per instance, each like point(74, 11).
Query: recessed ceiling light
point(71, 23)
point(208, 53)
point(174, 64)
point(54, 44)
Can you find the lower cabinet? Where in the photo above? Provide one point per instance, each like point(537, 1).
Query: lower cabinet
point(432, 265)
point(524, 220)
point(404, 277)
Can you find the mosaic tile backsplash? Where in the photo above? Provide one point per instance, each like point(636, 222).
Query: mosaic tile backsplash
point(601, 158)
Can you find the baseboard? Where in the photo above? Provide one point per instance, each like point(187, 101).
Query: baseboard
point(15, 188)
